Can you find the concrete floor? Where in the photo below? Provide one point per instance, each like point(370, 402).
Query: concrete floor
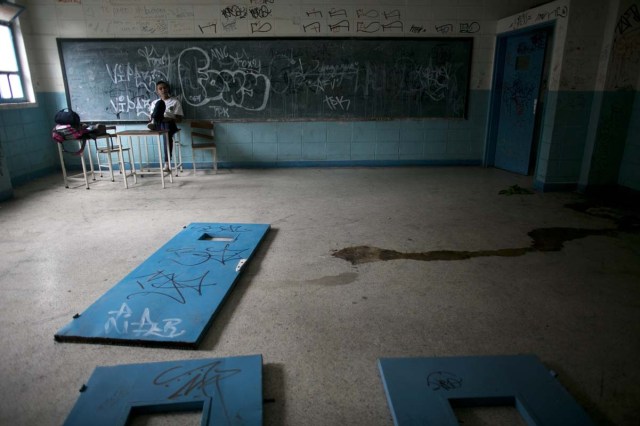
point(320, 321)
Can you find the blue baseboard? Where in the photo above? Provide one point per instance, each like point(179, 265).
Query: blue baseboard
point(554, 187)
point(303, 164)
point(28, 177)
point(346, 163)
point(6, 195)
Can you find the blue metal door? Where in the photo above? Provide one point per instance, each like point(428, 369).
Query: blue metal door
point(170, 299)
point(521, 78)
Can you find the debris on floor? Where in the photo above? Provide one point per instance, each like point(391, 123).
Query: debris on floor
point(515, 189)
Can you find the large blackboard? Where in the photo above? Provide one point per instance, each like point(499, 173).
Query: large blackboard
point(270, 79)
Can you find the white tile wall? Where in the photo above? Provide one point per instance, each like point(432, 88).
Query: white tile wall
point(47, 19)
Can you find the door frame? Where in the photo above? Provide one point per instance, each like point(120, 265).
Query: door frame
point(496, 93)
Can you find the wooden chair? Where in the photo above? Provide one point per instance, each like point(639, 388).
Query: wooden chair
point(202, 138)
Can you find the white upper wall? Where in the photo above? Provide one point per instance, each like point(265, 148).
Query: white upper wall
point(556, 12)
point(46, 20)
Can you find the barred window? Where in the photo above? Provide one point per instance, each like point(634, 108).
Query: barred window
point(11, 81)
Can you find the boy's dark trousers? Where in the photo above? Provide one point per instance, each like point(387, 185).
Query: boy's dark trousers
point(157, 116)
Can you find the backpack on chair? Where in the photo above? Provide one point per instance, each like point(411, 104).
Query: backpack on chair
point(67, 116)
point(68, 127)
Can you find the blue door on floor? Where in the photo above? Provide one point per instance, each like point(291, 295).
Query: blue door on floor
point(524, 59)
point(170, 299)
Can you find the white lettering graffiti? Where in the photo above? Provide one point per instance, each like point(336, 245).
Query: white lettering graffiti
point(120, 322)
point(337, 102)
point(235, 85)
point(124, 104)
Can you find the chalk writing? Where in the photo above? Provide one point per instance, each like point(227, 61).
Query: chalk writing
point(226, 77)
point(417, 29)
point(337, 102)
point(220, 112)
point(433, 81)
point(239, 88)
point(125, 104)
point(443, 380)
point(120, 320)
point(315, 77)
point(143, 80)
point(236, 59)
point(153, 58)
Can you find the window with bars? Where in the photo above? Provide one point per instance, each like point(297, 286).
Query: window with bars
point(11, 81)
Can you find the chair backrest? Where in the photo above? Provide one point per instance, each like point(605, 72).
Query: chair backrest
point(202, 130)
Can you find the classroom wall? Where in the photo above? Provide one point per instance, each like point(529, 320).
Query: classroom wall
point(630, 168)
point(6, 188)
point(616, 156)
point(266, 144)
point(588, 136)
point(577, 63)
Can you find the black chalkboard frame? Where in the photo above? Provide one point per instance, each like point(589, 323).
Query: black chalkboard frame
point(466, 41)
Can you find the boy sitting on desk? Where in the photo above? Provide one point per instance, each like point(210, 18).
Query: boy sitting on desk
point(165, 113)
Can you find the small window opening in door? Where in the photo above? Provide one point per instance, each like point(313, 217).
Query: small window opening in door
point(209, 237)
point(522, 63)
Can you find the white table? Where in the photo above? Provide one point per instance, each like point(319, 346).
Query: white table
point(138, 137)
point(109, 149)
point(81, 145)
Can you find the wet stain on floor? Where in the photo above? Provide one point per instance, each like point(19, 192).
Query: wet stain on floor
point(544, 239)
point(626, 217)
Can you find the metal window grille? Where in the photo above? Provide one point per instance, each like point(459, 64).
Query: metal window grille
point(11, 81)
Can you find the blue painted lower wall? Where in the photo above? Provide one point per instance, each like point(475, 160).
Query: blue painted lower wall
point(29, 153)
point(562, 140)
point(630, 169)
point(615, 155)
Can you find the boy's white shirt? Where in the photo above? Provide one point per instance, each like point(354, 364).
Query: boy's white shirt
point(174, 107)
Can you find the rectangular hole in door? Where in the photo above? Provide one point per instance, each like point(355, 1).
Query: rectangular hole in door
point(173, 415)
point(487, 412)
point(210, 237)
